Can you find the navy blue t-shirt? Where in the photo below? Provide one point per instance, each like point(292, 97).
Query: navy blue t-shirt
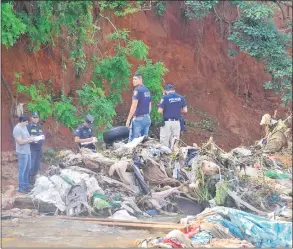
point(172, 104)
point(143, 95)
point(83, 132)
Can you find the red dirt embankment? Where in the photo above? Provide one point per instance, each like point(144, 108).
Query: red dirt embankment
point(225, 88)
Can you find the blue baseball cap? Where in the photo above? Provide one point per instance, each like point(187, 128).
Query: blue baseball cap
point(169, 87)
point(35, 114)
point(89, 119)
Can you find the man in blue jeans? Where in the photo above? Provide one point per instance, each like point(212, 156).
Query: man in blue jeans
point(22, 140)
point(140, 109)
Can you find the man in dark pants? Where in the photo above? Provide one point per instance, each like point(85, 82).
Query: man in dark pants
point(84, 136)
point(34, 128)
point(172, 105)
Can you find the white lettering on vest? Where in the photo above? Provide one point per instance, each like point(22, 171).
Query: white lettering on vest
point(172, 100)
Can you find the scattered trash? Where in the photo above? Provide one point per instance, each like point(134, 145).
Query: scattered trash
point(122, 215)
point(240, 152)
point(241, 198)
point(229, 225)
point(261, 232)
point(276, 175)
point(152, 212)
point(201, 238)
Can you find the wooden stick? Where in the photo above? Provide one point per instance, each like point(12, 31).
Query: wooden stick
point(134, 224)
point(116, 220)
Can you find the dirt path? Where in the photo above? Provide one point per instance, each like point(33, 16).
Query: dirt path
point(53, 232)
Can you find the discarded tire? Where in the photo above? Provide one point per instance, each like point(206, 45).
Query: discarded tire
point(115, 134)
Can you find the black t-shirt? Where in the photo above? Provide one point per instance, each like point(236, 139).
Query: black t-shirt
point(35, 130)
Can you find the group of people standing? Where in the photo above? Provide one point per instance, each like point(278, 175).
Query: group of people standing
point(172, 106)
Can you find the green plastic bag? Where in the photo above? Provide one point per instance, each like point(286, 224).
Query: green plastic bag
point(101, 204)
point(68, 180)
point(275, 175)
point(99, 195)
point(101, 201)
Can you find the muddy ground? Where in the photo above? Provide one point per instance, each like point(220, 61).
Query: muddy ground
point(33, 232)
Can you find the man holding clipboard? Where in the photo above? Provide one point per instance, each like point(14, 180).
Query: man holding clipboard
point(35, 130)
point(84, 136)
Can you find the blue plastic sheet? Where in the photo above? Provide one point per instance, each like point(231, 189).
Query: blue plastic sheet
point(260, 231)
point(152, 212)
point(201, 238)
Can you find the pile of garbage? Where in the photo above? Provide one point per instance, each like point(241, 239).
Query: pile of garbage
point(125, 182)
point(241, 198)
point(225, 227)
point(144, 177)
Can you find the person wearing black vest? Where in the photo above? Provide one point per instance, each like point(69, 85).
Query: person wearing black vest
point(83, 134)
point(35, 129)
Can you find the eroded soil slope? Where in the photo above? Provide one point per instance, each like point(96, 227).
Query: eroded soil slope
point(225, 93)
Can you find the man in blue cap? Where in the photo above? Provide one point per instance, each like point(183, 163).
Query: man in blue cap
point(172, 105)
point(84, 134)
point(35, 129)
point(140, 109)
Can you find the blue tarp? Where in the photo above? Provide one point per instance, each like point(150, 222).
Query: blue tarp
point(260, 231)
point(201, 238)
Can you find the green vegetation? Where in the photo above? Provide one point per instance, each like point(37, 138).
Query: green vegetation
point(41, 100)
point(121, 8)
point(206, 122)
point(45, 21)
point(38, 93)
point(160, 8)
point(113, 71)
point(43, 24)
point(12, 26)
point(255, 33)
point(198, 9)
point(153, 76)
